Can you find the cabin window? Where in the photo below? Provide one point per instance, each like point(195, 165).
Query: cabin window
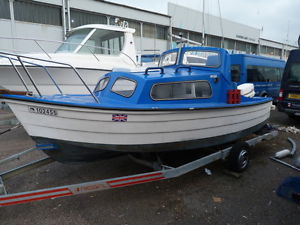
point(201, 58)
point(102, 84)
point(104, 42)
point(124, 86)
point(168, 59)
point(236, 73)
point(263, 74)
point(181, 90)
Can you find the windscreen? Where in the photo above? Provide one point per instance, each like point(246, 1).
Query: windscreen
point(101, 41)
point(104, 42)
point(74, 39)
point(201, 58)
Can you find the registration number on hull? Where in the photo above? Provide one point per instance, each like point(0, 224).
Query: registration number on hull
point(42, 110)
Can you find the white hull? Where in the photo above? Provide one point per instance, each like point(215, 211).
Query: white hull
point(95, 126)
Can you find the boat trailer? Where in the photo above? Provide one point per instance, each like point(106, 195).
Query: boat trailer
point(236, 154)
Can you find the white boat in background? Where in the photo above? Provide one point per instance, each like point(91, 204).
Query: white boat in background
point(92, 49)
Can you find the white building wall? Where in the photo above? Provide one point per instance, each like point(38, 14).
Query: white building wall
point(5, 31)
point(29, 31)
point(120, 11)
point(190, 19)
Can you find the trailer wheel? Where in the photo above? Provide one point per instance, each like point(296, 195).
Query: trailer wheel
point(238, 158)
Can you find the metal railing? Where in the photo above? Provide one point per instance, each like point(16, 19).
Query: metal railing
point(89, 47)
point(16, 57)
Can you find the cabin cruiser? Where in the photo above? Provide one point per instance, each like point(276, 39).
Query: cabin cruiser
point(93, 50)
point(178, 106)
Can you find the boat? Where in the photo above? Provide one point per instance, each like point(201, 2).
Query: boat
point(178, 106)
point(93, 49)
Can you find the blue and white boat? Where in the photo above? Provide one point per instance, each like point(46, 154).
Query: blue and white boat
point(189, 102)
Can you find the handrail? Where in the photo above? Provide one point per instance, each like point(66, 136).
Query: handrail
point(29, 76)
point(48, 61)
point(31, 63)
point(65, 42)
point(19, 74)
point(154, 68)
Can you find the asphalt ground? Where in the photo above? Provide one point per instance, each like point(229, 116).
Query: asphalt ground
point(195, 198)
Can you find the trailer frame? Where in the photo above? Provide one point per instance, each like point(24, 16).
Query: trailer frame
point(166, 172)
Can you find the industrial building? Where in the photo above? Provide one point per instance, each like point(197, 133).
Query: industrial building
point(155, 32)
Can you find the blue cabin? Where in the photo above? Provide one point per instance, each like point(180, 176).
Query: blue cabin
point(265, 73)
point(185, 77)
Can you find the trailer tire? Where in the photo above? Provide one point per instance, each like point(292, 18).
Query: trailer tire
point(238, 159)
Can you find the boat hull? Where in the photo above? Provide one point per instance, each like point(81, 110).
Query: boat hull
point(79, 130)
point(66, 151)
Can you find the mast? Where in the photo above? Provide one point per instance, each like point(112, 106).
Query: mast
point(203, 24)
point(221, 25)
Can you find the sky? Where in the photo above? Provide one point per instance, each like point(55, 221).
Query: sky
point(277, 19)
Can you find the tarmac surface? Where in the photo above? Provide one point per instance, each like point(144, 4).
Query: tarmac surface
point(195, 198)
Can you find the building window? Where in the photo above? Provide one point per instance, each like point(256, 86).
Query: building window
point(79, 18)
point(214, 41)
point(263, 49)
point(241, 46)
point(277, 51)
point(135, 25)
point(193, 36)
point(253, 49)
point(37, 12)
point(229, 44)
point(148, 30)
point(270, 51)
point(4, 9)
point(161, 32)
point(181, 90)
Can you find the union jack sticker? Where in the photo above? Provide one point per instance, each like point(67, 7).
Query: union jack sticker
point(119, 117)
